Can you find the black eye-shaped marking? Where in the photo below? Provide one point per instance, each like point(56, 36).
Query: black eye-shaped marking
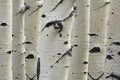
point(56, 24)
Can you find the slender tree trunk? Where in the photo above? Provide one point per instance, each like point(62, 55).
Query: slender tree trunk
point(5, 39)
point(98, 33)
point(32, 33)
point(113, 45)
point(55, 49)
point(80, 41)
point(18, 57)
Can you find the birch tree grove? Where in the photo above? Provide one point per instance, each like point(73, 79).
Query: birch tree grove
point(59, 40)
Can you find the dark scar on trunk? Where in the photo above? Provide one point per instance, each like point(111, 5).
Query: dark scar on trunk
point(60, 2)
point(95, 78)
point(30, 56)
point(68, 52)
point(30, 77)
point(106, 3)
point(27, 42)
point(116, 43)
point(93, 34)
point(9, 52)
point(113, 76)
point(95, 50)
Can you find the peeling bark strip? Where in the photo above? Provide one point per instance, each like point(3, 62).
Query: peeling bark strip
point(95, 78)
point(23, 9)
point(68, 52)
point(38, 68)
point(60, 2)
point(95, 50)
point(56, 24)
point(31, 78)
point(113, 76)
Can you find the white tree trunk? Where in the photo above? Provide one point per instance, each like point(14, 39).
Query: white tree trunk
point(80, 41)
point(5, 39)
point(55, 40)
point(18, 58)
point(98, 33)
point(32, 33)
point(113, 45)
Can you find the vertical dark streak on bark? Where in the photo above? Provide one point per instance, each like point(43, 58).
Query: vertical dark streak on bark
point(60, 2)
point(38, 68)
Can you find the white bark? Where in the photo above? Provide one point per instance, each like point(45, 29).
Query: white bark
point(54, 44)
point(32, 33)
point(18, 56)
point(98, 31)
point(80, 41)
point(5, 39)
point(113, 55)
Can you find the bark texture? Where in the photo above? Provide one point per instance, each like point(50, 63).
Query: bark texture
point(98, 37)
point(113, 44)
point(80, 41)
point(18, 46)
point(32, 33)
point(5, 39)
point(55, 48)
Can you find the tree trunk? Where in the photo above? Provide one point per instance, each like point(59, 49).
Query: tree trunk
point(113, 55)
point(80, 41)
point(5, 39)
point(55, 49)
point(18, 45)
point(98, 33)
point(32, 33)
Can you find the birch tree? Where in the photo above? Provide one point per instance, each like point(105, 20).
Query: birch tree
point(98, 37)
point(113, 44)
point(55, 49)
point(18, 58)
point(80, 40)
point(5, 39)
point(32, 33)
